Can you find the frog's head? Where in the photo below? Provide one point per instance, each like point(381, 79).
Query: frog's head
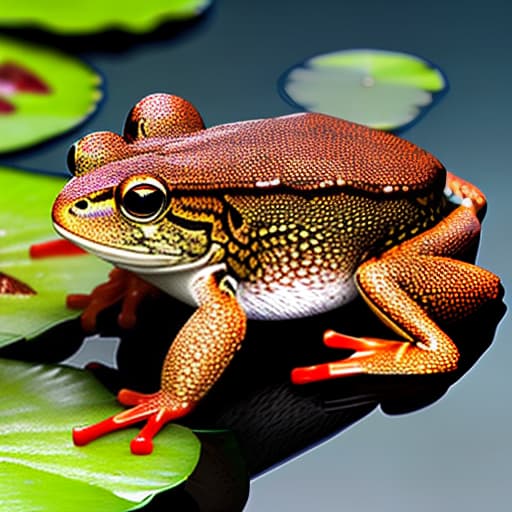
point(125, 213)
point(120, 206)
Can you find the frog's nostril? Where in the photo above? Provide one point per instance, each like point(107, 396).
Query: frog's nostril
point(82, 204)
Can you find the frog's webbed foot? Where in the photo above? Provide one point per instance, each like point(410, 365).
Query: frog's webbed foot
point(359, 362)
point(156, 409)
point(414, 288)
point(122, 286)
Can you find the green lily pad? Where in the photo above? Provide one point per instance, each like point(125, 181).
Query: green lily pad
point(24, 220)
point(381, 89)
point(43, 93)
point(97, 15)
point(41, 469)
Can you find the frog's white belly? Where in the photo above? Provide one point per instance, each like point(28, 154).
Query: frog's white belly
point(301, 297)
point(179, 285)
point(274, 299)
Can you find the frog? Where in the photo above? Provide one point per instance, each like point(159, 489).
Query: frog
point(272, 219)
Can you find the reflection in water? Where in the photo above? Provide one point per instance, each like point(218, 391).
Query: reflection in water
point(271, 419)
point(275, 420)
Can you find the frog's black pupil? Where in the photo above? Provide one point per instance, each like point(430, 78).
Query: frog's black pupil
point(71, 160)
point(144, 201)
point(82, 204)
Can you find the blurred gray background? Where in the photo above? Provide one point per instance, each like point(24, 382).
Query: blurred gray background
point(456, 454)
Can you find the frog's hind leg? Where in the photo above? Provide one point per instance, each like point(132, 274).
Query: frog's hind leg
point(411, 288)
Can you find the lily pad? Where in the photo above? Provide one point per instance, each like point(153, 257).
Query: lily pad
point(41, 469)
point(97, 15)
point(43, 93)
point(24, 220)
point(381, 89)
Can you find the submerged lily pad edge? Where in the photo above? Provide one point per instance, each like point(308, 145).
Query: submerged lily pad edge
point(176, 11)
point(436, 95)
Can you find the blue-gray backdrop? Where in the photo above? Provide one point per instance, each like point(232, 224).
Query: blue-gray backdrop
point(457, 454)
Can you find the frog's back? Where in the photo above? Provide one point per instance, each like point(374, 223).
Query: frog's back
point(301, 151)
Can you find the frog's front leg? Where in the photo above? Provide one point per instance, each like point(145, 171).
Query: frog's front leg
point(201, 351)
point(412, 288)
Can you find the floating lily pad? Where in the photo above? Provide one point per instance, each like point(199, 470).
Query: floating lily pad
point(24, 220)
point(381, 89)
point(41, 469)
point(43, 93)
point(97, 15)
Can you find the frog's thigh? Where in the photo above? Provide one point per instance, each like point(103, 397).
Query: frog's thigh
point(411, 293)
point(453, 236)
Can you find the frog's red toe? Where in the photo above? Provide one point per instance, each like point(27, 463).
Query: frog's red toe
point(333, 339)
point(84, 435)
point(308, 374)
point(143, 443)
point(325, 371)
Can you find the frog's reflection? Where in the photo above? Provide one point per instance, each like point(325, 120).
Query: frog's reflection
point(274, 419)
point(271, 419)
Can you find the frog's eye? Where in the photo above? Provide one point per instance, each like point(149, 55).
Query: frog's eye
point(143, 201)
point(95, 150)
point(161, 115)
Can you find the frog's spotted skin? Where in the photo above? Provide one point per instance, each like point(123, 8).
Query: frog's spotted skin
point(161, 115)
point(290, 267)
point(411, 288)
point(273, 218)
point(301, 151)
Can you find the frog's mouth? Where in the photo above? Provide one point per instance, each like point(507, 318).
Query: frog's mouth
point(135, 261)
